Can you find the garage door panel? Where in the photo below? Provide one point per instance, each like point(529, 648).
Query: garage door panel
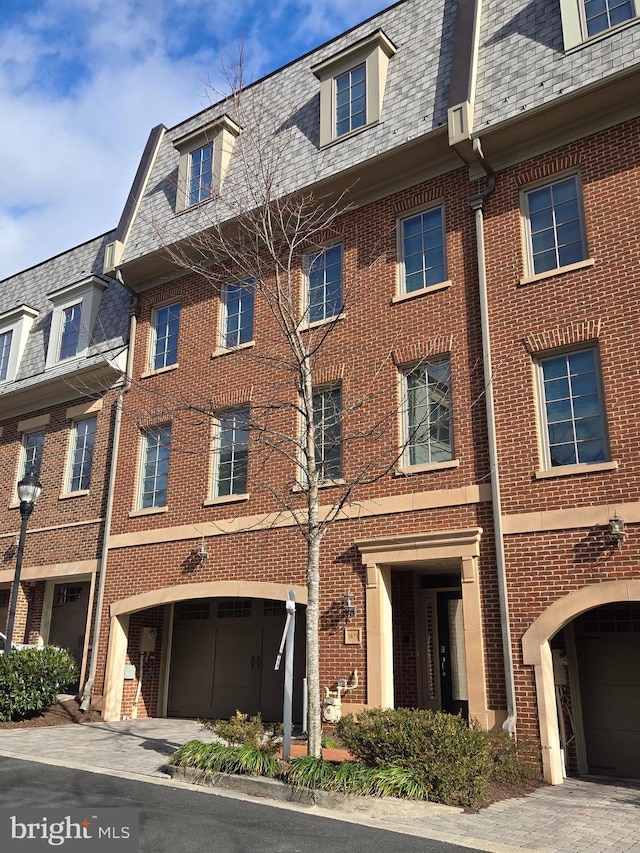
point(609, 675)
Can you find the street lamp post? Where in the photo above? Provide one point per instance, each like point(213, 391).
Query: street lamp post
point(29, 489)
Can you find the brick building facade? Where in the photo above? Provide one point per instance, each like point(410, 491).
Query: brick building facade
point(477, 295)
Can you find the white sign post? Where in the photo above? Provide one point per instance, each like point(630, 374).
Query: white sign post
point(288, 636)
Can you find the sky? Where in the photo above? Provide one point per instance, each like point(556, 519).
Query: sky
point(82, 82)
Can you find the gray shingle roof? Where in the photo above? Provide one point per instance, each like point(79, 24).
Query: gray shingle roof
point(31, 286)
point(415, 103)
point(522, 63)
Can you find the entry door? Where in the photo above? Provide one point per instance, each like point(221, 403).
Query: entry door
point(69, 617)
point(608, 652)
point(443, 673)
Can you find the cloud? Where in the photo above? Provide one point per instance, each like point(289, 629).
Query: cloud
point(82, 82)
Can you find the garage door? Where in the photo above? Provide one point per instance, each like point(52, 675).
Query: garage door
point(608, 651)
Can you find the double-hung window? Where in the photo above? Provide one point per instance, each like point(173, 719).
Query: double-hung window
point(572, 408)
point(422, 250)
point(231, 453)
point(5, 351)
point(32, 447)
point(70, 330)
point(327, 423)
point(83, 435)
point(201, 174)
point(555, 225)
point(602, 15)
point(154, 473)
point(351, 100)
point(164, 339)
point(324, 282)
point(428, 428)
point(237, 314)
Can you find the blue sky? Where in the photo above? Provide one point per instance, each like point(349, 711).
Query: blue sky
point(82, 82)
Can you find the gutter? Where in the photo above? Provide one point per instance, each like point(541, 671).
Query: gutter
point(97, 621)
point(477, 203)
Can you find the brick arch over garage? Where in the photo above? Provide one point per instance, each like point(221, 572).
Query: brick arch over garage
point(536, 652)
point(121, 610)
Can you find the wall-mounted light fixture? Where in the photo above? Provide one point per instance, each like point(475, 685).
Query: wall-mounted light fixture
point(203, 555)
point(348, 607)
point(616, 531)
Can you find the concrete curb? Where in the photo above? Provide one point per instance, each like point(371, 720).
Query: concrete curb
point(274, 789)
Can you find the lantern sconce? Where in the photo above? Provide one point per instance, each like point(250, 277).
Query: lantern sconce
point(616, 531)
point(203, 554)
point(348, 607)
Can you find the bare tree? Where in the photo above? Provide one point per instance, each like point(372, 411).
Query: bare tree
point(265, 237)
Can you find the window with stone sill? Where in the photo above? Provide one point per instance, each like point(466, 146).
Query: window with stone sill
point(231, 453)
point(572, 408)
point(554, 225)
point(82, 442)
point(427, 425)
point(154, 467)
point(165, 329)
point(422, 250)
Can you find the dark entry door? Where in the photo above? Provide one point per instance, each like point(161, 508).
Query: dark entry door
point(444, 673)
point(69, 617)
point(453, 670)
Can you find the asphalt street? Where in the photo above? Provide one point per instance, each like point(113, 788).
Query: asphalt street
point(175, 819)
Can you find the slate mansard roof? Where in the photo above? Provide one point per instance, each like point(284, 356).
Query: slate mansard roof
point(521, 64)
point(30, 288)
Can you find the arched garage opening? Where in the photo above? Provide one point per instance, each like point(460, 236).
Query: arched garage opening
point(217, 648)
point(597, 656)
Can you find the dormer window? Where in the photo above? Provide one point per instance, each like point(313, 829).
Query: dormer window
point(75, 307)
point(352, 87)
point(587, 19)
point(204, 159)
point(6, 339)
point(200, 173)
point(70, 338)
point(15, 326)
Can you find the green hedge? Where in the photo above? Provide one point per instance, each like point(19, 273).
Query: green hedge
point(30, 680)
point(446, 755)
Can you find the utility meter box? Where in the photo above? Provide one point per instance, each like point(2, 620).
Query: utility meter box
point(148, 638)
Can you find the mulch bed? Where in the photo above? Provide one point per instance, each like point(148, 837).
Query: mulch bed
point(60, 714)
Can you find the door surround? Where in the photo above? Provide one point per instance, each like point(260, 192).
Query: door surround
point(536, 652)
point(460, 547)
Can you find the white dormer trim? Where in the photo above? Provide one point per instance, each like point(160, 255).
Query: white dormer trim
point(18, 321)
point(86, 293)
point(574, 31)
point(375, 51)
point(223, 133)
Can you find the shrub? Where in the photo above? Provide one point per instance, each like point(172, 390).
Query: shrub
point(513, 761)
point(243, 730)
point(443, 754)
point(30, 680)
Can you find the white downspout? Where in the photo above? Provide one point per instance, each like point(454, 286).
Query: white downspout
point(88, 687)
point(477, 203)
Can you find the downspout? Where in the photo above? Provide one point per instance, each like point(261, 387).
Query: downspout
point(88, 687)
point(477, 203)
